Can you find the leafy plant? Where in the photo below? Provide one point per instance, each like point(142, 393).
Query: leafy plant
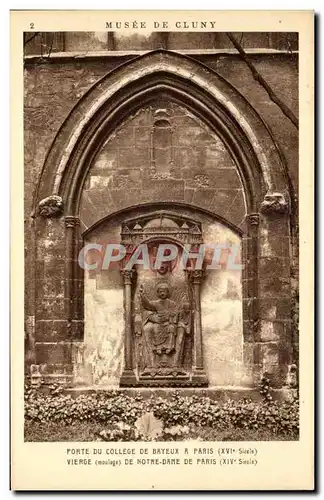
point(127, 418)
point(149, 426)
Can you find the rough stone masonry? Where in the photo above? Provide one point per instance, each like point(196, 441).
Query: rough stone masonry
point(140, 144)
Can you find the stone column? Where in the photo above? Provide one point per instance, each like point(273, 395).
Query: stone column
point(52, 332)
point(128, 377)
point(273, 343)
point(250, 253)
point(199, 377)
point(73, 279)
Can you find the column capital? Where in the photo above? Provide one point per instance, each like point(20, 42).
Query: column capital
point(71, 221)
point(128, 275)
point(195, 275)
point(253, 219)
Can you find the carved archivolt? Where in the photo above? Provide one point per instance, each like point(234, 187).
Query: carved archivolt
point(126, 89)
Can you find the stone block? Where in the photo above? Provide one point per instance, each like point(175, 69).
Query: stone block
point(53, 269)
point(223, 178)
point(51, 330)
point(248, 353)
point(106, 162)
point(143, 137)
point(250, 307)
point(142, 119)
point(134, 158)
point(52, 287)
point(275, 286)
point(186, 159)
point(276, 225)
point(229, 204)
point(248, 331)
point(273, 245)
point(203, 197)
point(50, 308)
point(78, 308)
point(275, 308)
point(162, 190)
point(53, 352)
point(270, 331)
point(77, 329)
point(96, 204)
point(272, 266)
point(126, 137)
point(48, 248)
point(188, 195)
point(183, 120)
point(268, 359)
point(124, 198)
point(99, 181)
point(187, 136)
point(248, 288)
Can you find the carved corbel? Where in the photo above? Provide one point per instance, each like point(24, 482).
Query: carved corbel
point(274, 204)
point(52, 206)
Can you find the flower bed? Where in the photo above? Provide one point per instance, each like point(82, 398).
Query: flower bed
point(117, 416)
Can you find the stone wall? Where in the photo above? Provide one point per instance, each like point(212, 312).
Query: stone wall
point(200, 172)
point(74, 41)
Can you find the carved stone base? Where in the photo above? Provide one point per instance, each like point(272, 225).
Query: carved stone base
point(199, 378)
point(165, 382)
point(128, 379)
point(163, 378)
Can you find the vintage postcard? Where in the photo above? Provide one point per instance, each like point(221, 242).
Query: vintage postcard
point(162, 226)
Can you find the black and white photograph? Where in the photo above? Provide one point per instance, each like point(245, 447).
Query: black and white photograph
point(166, 160)
point(161, 208)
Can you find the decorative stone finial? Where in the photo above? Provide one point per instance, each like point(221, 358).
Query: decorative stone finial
point(274, 203)
point(51, 206)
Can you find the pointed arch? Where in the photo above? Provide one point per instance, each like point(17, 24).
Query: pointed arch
point(138, 82)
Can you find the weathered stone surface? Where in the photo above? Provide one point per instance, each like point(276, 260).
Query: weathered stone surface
point(275, 308)
point(162, 190)
point(269, 287)
point(103, 336)
point(271, 331)
point(274, 204)
point(52, 330)
point(52, 353)
point(268, 357)
point(274, 266)
point(203, 174)
point(128, 169)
